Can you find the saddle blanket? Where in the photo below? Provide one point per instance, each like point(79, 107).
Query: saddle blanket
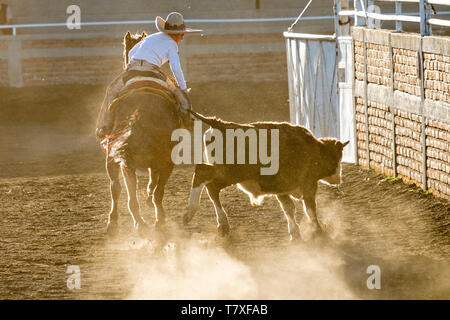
point(138, 81)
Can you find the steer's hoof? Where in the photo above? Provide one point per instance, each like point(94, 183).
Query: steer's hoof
point(143, 230)
point(223, 230)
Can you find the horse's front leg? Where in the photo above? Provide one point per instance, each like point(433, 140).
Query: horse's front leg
point(112, 169)
point(130, 179)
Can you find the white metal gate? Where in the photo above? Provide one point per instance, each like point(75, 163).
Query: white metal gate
point(316, 100)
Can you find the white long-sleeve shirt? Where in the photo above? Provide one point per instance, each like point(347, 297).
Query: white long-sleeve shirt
point(157, 49)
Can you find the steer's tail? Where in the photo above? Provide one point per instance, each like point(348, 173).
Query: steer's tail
point(219, 123)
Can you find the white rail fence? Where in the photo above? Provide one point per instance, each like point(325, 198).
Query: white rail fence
point(361, 14)
point(364, 9)
point(14, 27)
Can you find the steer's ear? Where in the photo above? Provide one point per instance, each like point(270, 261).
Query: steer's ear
point(341, 144)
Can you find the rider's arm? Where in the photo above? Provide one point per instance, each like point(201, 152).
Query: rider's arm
point(175, 65)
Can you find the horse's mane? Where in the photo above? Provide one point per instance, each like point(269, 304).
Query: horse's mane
point(129, 41)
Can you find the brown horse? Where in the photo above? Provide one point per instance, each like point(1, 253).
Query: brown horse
point(140, 139)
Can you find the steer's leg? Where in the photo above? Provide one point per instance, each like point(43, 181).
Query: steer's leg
point(194, 202)
point(158, 196)
point(309, 200)
point(222, 220)
point(288, 207)
point(114, 186)
point(202, 175)
point(130, 179)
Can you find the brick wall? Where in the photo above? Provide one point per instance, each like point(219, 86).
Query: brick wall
point(400, 127)
point(437, 76)
point(406, 71)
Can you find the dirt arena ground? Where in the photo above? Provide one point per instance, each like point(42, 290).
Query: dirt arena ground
point(54, 202)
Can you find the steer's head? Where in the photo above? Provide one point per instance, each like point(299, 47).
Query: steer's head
point(331, 157)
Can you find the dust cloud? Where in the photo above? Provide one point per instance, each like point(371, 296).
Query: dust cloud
point(192, 271)
point(204, 268)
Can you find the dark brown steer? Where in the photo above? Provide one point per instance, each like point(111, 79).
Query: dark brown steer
point(303, 161)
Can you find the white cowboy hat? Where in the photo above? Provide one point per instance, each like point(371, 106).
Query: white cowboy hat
point(173, 24)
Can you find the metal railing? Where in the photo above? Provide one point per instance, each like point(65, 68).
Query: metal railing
point(423, 17)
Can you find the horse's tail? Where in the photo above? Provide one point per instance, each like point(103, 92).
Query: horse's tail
point(218, 123)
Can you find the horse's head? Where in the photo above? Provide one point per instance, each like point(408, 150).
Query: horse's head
point(129, 41)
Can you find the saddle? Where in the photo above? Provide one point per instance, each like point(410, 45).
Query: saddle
point(139, 81)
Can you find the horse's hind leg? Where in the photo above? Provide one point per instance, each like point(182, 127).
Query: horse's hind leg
point(114, 186)
point(130, 179)
point(153, 176)
point(158, 196)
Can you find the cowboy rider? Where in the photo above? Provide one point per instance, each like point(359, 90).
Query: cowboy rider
point(149, 55)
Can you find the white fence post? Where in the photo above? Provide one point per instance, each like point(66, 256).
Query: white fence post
point(358, 20)
point(425, 28)
point(398, 11)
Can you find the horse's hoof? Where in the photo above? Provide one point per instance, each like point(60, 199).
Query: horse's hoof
point(160, 227)
point(319, 235)
point(295, 235)
point(112, 230)
point(187, 217)
point(143, 230)
point(223, 230)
